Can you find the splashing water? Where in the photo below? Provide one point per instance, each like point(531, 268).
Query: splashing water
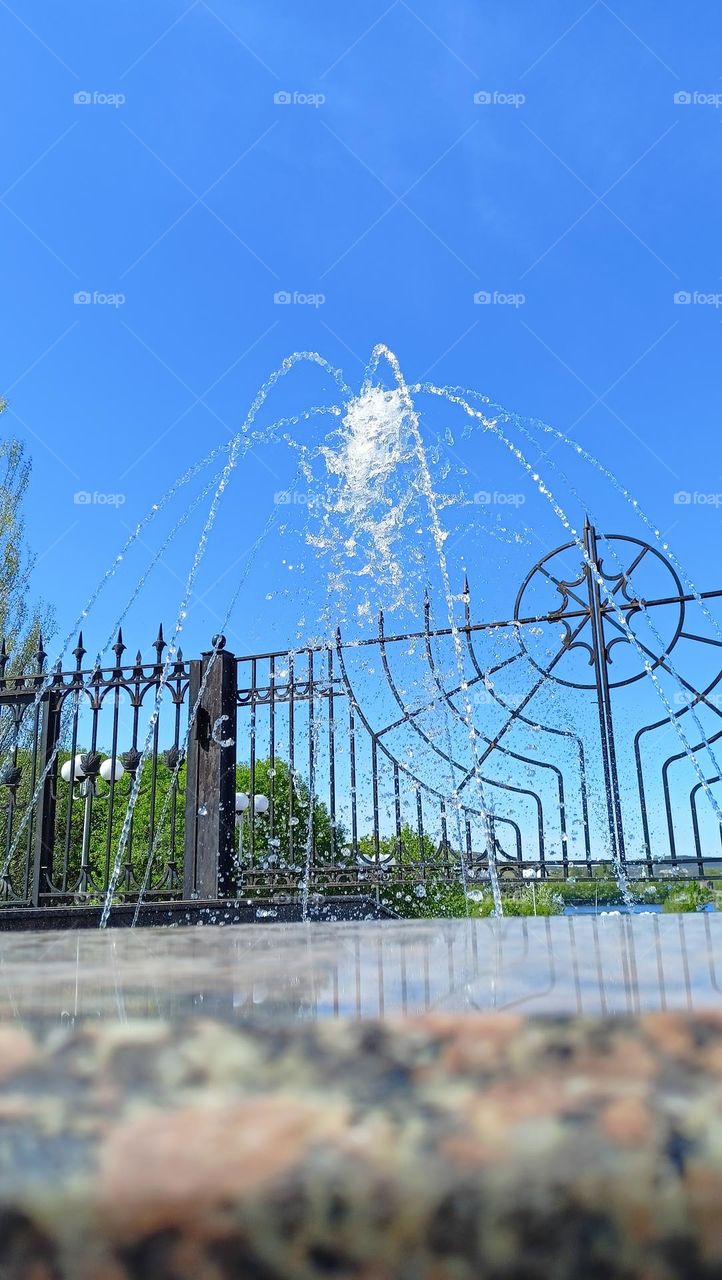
point(620, 616)
point(387, 513)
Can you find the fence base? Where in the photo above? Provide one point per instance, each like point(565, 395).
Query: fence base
point(210, 911)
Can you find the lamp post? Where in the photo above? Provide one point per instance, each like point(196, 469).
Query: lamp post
point(261, 805)
point(85, 770)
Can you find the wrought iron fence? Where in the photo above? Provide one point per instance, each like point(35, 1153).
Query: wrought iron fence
point(403, 760)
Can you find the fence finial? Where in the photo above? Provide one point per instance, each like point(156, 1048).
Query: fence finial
point(40, 654)
point(79, 651)
point(119, 647)
point(159, 643)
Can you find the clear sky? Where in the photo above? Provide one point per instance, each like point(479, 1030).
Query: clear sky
point(184, 163)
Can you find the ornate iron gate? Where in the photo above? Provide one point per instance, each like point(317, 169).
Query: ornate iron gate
point(394, 756)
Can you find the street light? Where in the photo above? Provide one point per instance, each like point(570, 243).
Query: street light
point(261, 806)
point(111, 770)
point(85, 770)
point(86, 767)
point(73, 768)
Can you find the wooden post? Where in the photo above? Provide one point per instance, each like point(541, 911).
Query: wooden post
point(209, 863)
point(46, 801)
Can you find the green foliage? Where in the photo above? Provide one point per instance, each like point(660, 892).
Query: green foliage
point(427, 899)
point(430, 890)
point(538, 899)
point(159, 809)
point(582, 890)
point(16, 884)
point(672, 895)
point(687, 897)
point(292, 816)
point(20, 623)
point(419, 882)
point(159, 823)
point(437, 899)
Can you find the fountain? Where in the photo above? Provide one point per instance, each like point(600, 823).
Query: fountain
point(494, 695)
point(478, 744)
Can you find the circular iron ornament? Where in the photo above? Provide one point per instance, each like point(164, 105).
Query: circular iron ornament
point(575, 602)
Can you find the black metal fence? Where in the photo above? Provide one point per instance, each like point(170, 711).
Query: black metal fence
point(395, 759)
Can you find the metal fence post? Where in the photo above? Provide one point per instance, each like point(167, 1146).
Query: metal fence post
point(209, 863)
point(46, 802)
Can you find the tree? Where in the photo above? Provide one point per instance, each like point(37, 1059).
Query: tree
point(20, 621)
point(285, 847)
point(159, 824)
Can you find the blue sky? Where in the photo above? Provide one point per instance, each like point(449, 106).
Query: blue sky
point(577, 184)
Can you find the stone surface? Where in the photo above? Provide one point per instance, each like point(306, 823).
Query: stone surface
point(143, 1136)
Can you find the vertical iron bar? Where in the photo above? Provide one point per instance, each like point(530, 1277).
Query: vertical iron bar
point(71, 784)
point(444, 835)
point(397, 814)
point(271, 745)
point(111, 793)
point(311, 835)
point(352, 756)
point(291, 755)
point(86, 870)
point(331, 755)
point(604, 705)
point(172, 861)
point(137, 672)
point(252, 765)
point(375, 797)
point(30, 837)
point(151, 817)
point(47, 800)
point(420, 831)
